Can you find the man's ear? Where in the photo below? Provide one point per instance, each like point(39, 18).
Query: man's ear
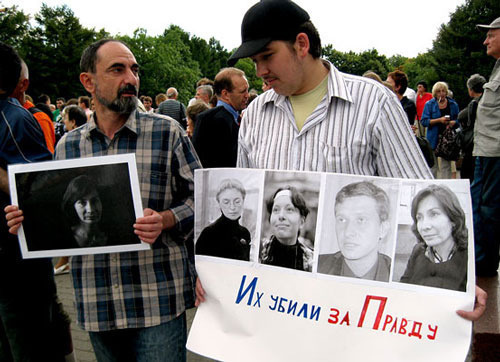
point(87, 81)
point(25, 83)
point(224, 95)
point(302, 44)
point(384, 229)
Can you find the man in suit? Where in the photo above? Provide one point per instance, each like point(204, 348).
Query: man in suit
point(215, 136)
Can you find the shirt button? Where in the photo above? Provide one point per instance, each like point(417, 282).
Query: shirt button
point(433, 273)
point(116, 286)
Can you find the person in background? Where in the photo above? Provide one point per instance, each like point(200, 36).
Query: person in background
point(467, 119)
point(439, 113)
point(43, 119)
point(485, 190)
point(34, 327)
point(192, 113)
point(399, 82)
point(84, 103)
point(60, 104)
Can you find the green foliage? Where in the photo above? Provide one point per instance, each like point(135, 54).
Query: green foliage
point(358, 63)
point(52, 47)
point(165, 62)
point(52, 50)
point(248, 67)
point(14, 25)
point(211, 56)
point(458, 49)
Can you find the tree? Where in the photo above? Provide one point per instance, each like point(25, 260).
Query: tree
point(165, 62)
point(14, 25)
point(458, 49)
point(211, 56)
point(52, 51)
point(354, 63)
point(247, 65)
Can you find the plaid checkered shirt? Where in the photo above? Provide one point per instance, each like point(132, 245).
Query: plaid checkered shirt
point(145, 288)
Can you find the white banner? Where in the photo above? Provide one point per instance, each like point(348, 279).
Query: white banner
point(302, 265)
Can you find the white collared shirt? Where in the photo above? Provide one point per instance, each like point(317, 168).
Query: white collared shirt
point(358, 128)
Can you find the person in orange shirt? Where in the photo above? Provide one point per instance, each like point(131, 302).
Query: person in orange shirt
point(45, 122)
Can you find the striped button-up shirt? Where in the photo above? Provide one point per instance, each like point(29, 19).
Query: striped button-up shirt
point(144, 288)
point(358, 128)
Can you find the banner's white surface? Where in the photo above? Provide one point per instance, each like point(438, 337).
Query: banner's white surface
point(257, 312)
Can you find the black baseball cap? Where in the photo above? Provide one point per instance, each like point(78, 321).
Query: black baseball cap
point(266, 21)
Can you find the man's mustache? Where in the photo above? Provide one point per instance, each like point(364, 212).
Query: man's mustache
point(129, 89)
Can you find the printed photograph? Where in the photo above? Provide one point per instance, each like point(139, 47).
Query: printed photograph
point(358, 227)
point(289, 218)
point(226, 213)
point(433, 236)
point(77, 209)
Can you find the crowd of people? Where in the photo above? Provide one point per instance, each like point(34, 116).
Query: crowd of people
point(298, 123)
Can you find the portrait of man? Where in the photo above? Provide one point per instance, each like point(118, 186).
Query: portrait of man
point(361, 217)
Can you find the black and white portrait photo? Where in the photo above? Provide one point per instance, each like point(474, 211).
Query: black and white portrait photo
point(76, 209)
point(432, 248)
point(227, 216)
point(289, 219)
point(358, 228)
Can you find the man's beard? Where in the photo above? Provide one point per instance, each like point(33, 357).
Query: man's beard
point(122, 105)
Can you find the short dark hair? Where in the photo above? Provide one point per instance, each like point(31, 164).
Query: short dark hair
point(10, 68)
point(297, 201)
point(314, 39)
point(43, 98)
point(61, 99)
point(76, 114)
point(451, 207)
point(88, 60)
point(423, 83)
point(85, 100)
point(400, 79)
point(366, 188)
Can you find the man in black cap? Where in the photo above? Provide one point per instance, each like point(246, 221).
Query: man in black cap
point(485, 189)
point(316, 118)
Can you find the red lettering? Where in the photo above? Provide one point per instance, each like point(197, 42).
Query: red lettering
point(381, 307)
point(334, 316)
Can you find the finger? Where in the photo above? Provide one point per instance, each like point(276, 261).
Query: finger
point(147, 237)
point(148, 227)
point(10, 208)
point(13, 214)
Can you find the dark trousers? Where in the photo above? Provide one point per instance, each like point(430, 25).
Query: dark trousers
point(31, 325)
point(485, 192)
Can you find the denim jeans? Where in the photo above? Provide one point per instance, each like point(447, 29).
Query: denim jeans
point(165, 342)
point(485, 192)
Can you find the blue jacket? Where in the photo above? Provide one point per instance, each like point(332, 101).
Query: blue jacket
point(21, 138)
point(431, 111)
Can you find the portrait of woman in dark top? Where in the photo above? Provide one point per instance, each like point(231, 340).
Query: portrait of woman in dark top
point(225, 237)
point(287, 212)
point(82, 208)
point(440, 257)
